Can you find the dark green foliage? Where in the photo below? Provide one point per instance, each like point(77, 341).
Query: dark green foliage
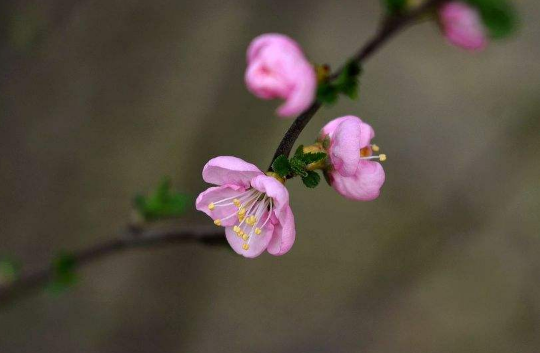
point(9, 270)
point(395, 7)
point(163, 203)
point(346, 83)
point(311, 180)
point(281, 166)
point(297, 166)
point(63, 276)
point(499, 16)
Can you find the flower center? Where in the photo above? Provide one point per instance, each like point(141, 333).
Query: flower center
point(253, 212)
point(366, 153)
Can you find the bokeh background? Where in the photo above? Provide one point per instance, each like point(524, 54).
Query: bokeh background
point(100, 99)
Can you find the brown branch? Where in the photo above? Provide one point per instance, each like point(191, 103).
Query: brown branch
point(150, 237)
point(390, 26)
point(132, 238)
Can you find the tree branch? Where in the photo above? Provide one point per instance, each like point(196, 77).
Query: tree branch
point(150, 237)
point(390, 26)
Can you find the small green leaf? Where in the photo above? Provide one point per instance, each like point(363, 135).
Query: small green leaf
point(395, 7)
point(327, 93)
point(309, 158)
point(299, 150)
point(281, 166)
point(347, 82)
point(64, 276)
point(311, 180)
point(9, 270)
point(499, 16)
point(163, 203)
point(298, 166)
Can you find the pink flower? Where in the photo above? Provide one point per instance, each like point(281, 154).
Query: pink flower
point(277, 68)
point(353, 174)
point(462, 25)
point(253, 207)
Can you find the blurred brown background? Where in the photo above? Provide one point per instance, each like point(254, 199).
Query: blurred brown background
point(99, 99)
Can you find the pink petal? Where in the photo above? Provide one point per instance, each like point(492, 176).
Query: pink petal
point(345, 146)
point(365, 185)
point(215, 194)
point(284, 233)
point(303, 93)
point(274, 189)
point(270, 39)
point(229, 170)
point(462, 25)
point(366, 134)
point(257, 245)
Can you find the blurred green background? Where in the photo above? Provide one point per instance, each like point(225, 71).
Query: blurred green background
point(100, 99)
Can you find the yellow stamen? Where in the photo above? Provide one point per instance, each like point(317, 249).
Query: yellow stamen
point(242, 212)
point(245, 246)
point(217, 222)
point(236, 203)
point(211, 206)
point(236, 229)
point(245, 237)
point(382, 157)
point(258, 231)
point(241, 218)
point(375, 148)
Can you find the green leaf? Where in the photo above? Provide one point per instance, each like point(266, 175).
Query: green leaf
point(9, 270)
point(309, 158)
point(163, 203)
point(311, 180)
point(395, 7)
point(64, 276)
point(281, 166)
point(299, 150)
point(347, 81)
point(327, 93)
point(298, 166)
point(499, 16)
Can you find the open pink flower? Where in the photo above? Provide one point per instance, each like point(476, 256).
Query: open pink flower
point(277, 68)
point(353, 173)
point(462, 25)
point(253, 207)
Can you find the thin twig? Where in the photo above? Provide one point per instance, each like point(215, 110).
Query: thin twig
point(131, 239)
point(146, 238)
point(390, 27)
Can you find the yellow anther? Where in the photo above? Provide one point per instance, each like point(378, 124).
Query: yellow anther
point(217, 222)
point(258, 231)
point(236, 202)
point(251, 220)
point(211, 206)
point(382, 157)
point(375, 148)
point(239, 234)
point(241, 218)
point(236, 229)
point(245, 236)
point(242, 212)
point(245, 246)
